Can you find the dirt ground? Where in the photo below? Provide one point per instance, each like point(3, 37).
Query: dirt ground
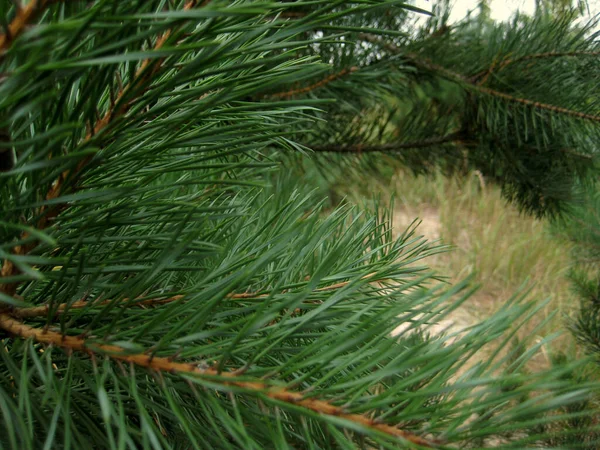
point(479, 306)
point(431, 227)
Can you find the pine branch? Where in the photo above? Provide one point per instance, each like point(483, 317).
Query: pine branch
point(455, 76)
point(494, 93)
point(316, 85)
point(194, 250)
point(538, 105)
point(143, 74)
point(487, 74)
point(416, 59)
point(390, 148)
point(232, 379)
point(509, 61)
point(39, 311)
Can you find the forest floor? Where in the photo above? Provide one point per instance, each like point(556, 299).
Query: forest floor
point(506, 252)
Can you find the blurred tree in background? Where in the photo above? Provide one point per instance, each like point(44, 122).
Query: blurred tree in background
point(168, 280)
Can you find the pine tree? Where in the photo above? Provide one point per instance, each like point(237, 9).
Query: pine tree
point(169, 281)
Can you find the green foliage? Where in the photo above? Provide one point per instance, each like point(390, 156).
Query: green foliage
point(582, 227)
point(167, 283)
point(515, 101)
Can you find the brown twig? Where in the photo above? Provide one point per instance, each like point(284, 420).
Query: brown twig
point(391, 147)
point(487, 74)
point(292, 14)
point(23, 17)
point(538, 105)
point(414, 58)
point(316, 85)
point(167, 365)
point(39, 311)
point(533, 56)
point(426, 64)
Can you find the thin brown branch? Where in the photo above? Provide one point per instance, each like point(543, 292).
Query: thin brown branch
point(167, 365)
point(317, 85)
point(388, 148)
point(545, 55)
point(487, 74)
point(23, 17)
point(292, 15)
point(142, 75)
point(426, 64)
point(538, 105)
point(40, 311)
point(414, 58)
